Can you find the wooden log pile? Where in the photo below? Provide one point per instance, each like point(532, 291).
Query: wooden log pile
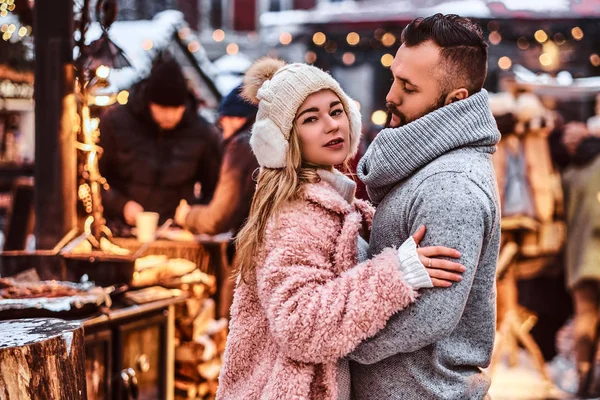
point(200, 343)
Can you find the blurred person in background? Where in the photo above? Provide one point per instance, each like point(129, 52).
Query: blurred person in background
point(231, 202)
point(156, 148)
point(576, 148)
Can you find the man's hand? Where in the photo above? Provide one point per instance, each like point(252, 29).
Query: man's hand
point(181, 213)
point(131, 211)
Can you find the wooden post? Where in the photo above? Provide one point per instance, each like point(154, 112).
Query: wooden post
point(55, 119)
point(42, 358)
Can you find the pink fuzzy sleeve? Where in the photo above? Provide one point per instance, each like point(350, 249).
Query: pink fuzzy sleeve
point(315, 315)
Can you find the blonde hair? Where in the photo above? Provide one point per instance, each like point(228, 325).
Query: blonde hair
point(274, 188)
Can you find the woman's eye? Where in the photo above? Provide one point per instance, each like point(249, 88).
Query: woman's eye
point(309, 120)
point(337, 112)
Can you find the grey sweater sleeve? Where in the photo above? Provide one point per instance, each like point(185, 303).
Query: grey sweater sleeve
point(457, 214)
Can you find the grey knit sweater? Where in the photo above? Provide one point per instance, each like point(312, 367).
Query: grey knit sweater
point(435, 171)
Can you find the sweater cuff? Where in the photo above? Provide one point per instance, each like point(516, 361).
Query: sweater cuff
point(414, 271)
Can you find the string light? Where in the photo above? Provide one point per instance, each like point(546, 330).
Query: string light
point(379, 117)
point(495, 38)
point(540, 36)
point(310, 57)
point(595, 60)
point(193, 46)
point(523, 43)
point(387, 60)
point(218, 35)
point(353, 38)
point(285, 38)
point(319, 38)
point(22, 31)
point(577, 33)
point(504, 63)
point(102, 72)
point(102, 101)
point(123, 97)
point(232, 49)
point(348, 58)
point(388, 39)
point(147, 44)
point(184, 33)
point(545, 60)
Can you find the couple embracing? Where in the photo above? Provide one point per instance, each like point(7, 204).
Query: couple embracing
point(335, 300)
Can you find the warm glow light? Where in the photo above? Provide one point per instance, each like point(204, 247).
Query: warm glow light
point(193, 46)
point(123, 97)
point(493, 26)
point(353, 38)
point(3, 13)
point(285, 38)
point(319, 38)
point(12, 28)
point(6, 36)
point(379, 117)
point(102, 72)
point(495, 38)
point(184, 33)
point(330, 46)
point(388, 39)
point(523, 43)
point(310, 57)
point(102, 101)
point(387, 59)
point(11, 7)
point(348, 58)
point(545, 59)
point(218, 35)
point(577, 33)
point(595, 60)
point(22, 31)
point(559, 38)
point(147, 44)
point(4, 28)
point(3, 6)
point(232, 49)
point(504, 63)
point(540, 36)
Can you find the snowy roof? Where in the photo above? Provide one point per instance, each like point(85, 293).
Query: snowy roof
point(140, 39)
point(563, 85)
point(390, 10)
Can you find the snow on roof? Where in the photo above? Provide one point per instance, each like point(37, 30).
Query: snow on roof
point(134, 37)
point(390, 10)
point(544, 84)
point(231, 69)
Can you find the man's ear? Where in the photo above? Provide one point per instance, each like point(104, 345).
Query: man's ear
point(456, 95)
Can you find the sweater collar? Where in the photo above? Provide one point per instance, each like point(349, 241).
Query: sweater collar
point(397, 153)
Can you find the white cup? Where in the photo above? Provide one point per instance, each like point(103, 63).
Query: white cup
point(146, 224)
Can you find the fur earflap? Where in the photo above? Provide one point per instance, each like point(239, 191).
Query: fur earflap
point(261, 71)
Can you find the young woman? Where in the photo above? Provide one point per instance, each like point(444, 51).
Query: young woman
point(303, 301)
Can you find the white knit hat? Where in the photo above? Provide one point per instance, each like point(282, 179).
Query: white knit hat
point(279, 90)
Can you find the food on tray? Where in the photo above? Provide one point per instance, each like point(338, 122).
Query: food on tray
point(153, 269)
point(110, 248)
point(34, 290)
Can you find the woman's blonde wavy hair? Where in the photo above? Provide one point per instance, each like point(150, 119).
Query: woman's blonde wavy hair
point(274, 188)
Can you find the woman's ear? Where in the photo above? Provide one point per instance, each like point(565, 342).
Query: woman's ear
point(456, 95)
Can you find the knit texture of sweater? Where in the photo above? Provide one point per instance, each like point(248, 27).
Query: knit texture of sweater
point(435, 171)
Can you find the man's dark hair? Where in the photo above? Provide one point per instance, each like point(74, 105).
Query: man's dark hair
point(463, 53)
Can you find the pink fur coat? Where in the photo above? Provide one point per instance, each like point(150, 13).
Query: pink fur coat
point(308, 303)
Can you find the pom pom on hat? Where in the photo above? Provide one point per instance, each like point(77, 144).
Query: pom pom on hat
point(261, 71)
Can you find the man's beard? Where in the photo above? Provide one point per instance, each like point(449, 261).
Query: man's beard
point(393, 110)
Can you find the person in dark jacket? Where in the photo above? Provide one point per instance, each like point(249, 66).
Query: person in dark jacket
point(230, 205)
point(156, 148)
point(231, 202)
